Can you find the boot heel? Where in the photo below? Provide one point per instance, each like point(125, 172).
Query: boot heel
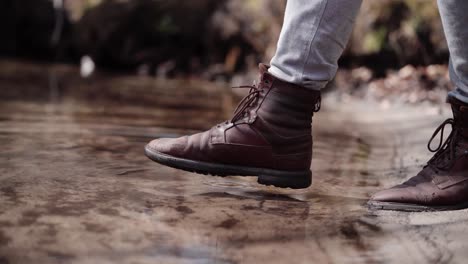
point(294, 181)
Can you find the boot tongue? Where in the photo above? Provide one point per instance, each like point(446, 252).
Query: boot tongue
point(263, 71)
point(263, 68)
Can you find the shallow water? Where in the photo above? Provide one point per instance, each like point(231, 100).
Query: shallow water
point(75, 186)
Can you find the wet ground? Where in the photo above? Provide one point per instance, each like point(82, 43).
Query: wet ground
point(75, 186)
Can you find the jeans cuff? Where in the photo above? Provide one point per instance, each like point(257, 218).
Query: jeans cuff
point(312, 85)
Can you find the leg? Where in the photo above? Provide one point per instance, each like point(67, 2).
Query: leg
point(269, 135)
point(313, 37)
point(454, 17)
point(443, 182)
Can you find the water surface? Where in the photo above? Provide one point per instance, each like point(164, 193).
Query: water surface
point(75, 186)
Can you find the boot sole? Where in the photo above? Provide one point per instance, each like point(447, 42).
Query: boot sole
point(277, 178)
point(393, 206)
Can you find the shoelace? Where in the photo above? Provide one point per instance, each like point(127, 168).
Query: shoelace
point(251, 99)
point(447, 146)
point(246, 102)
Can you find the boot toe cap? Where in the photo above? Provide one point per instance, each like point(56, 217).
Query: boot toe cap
point(388, 195)
point(399, 194)
point(169, 146)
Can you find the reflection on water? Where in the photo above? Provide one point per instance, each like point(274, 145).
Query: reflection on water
point(75, 185)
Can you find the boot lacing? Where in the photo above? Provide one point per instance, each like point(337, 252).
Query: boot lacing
point(247, 102)
point(251, 99)
point(445, 155)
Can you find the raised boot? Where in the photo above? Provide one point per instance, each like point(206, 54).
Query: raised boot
point(269, 136)
point(443, 182)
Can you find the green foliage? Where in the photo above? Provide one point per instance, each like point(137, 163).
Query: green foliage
point(374, 41)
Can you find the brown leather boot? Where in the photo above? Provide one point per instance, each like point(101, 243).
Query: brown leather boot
point(443, 183)
point(269, 137)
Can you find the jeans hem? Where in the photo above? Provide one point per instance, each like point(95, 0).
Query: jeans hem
point(312, 85)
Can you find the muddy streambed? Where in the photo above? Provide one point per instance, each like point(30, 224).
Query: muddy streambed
point(75, 186)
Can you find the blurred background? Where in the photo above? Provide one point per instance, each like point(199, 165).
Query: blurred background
point(397, 49)
point(85, 84)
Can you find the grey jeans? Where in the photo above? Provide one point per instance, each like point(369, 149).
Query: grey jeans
point(315, 33)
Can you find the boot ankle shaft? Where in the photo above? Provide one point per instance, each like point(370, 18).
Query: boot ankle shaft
point(288, 110)
point(268, 81)
point(460, 112)
point(285, 107)
point(460, 116)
